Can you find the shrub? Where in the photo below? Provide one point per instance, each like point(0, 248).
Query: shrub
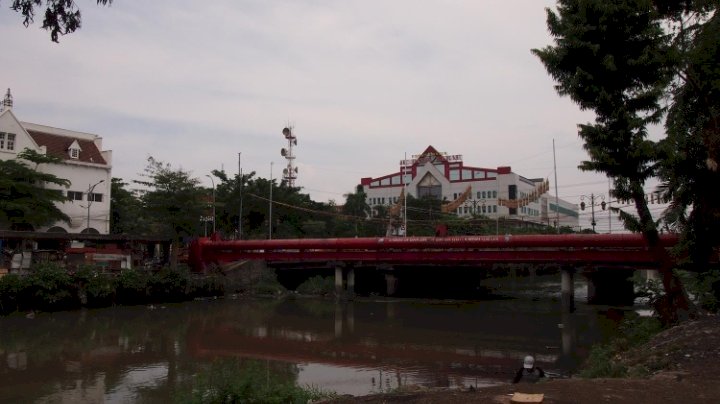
point(231, 381)
point(317, 285)
point(268, 284)
point(51, 288)
point(96, 287)
point(12, 287)
point(169, 286)
point(634, 331)
point(208, 285)
point(132, 287)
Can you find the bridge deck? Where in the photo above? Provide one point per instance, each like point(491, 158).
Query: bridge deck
point(569, 249)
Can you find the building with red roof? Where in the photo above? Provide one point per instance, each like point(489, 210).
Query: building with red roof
point(82, 161)
point(470, 191)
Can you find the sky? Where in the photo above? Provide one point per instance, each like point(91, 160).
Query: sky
point(364, 83)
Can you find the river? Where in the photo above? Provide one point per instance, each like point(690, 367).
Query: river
point(150, 353)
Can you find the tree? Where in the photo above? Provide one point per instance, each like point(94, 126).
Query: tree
point(689, 168)
point(615, 59)
point(60, 17)
point(356, 206)
point(24, 199)
point(126, 213)
point(174, 202)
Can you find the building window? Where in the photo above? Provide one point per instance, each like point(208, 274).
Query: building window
point(95, 197)
point(454, 175)
point(74, 153)
point(74, 195)
point(494, 208)
point(7, 141)
point(429, 187)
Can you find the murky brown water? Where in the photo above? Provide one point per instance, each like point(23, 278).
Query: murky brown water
point(146, 354)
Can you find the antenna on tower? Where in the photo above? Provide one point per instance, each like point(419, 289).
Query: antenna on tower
point(290, 171)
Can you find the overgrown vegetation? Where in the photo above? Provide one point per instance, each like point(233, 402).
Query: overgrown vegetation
point(49, 287)
point(234, 381)
point(603, 359)
point(317, 285)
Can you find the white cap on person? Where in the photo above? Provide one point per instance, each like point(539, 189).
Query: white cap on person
point(529, 362)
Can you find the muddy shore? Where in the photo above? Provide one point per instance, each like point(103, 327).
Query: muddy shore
point(683, 365)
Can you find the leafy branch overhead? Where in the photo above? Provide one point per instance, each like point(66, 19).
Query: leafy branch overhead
point(60, 16)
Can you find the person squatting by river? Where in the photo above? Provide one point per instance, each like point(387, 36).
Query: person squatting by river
point(528, 373)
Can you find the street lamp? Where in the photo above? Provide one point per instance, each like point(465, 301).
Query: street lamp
point(592, 198)
point(270, 205)
point(213, 201)
point(475, 204)
point(90, 200)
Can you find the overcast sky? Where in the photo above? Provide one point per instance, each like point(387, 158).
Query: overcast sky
point(194, 83)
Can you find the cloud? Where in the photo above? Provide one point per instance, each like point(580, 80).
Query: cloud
point(364, 82)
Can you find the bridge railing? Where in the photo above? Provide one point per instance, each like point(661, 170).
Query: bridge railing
point(571, 249)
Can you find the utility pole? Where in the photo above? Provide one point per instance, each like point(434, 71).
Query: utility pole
point(592, 198)
point(90, 200)
point(270, 207)
point(242, 181)
point(213, 201)
point(557, 199)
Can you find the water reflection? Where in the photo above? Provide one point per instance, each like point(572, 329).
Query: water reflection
point(137, 353)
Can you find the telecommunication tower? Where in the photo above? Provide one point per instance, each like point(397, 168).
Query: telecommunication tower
point(290, 171)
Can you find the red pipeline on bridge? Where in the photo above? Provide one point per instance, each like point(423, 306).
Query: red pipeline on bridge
point(628, 250)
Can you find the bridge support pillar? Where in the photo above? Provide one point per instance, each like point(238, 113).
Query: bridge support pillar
point(350, 289)
point(344, 282)
point(338, 281)
point(567, 289)
point(390, 284)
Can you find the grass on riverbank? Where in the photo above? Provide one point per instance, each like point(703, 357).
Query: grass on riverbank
point(249, 381)
point(603, 359)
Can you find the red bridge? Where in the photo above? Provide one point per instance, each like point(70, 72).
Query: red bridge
point(627, 250)
point(398, 257)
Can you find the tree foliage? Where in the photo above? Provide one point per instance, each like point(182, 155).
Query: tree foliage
point(24, 198)
point(126, 213)
point(173, 200)
point(619, 60)
point(691, 150)
point(60, 17)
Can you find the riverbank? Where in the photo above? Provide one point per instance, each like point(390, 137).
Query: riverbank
point(683, 363)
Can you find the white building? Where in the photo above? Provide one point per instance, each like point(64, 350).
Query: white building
point(84, 164)
point(466, 191)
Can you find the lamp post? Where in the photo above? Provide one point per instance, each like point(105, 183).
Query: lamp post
point(475, 203)
point(213, 201)
point(90, 200)
point(241, 197)
point(270, 206)
point(592, 198)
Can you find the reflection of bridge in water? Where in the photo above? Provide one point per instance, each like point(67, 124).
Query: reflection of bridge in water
point(440, 343)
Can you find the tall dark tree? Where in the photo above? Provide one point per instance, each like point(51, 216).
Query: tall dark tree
point(25, 201)
point(60, 17)
point(692, 147)
point(615, 59)
point(175, 202)
point(126, 213)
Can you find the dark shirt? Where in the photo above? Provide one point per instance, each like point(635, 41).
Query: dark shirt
point(528, 375)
